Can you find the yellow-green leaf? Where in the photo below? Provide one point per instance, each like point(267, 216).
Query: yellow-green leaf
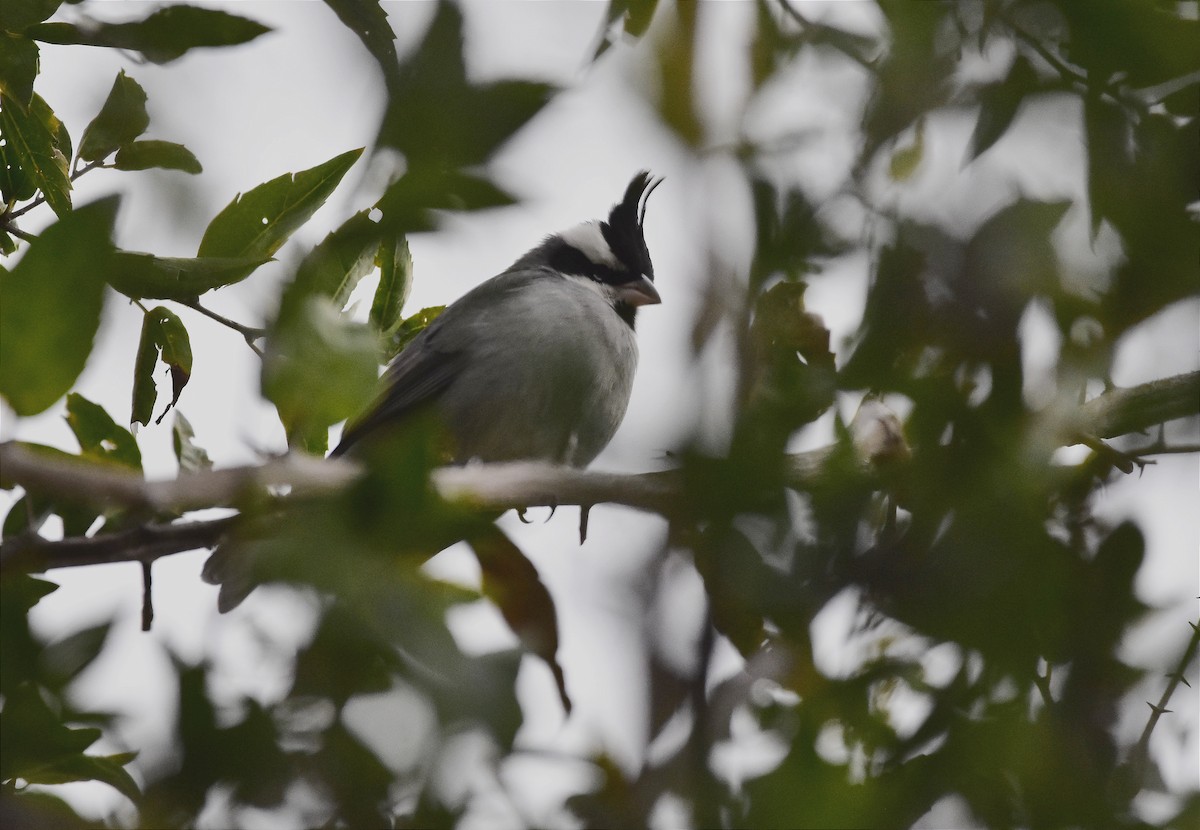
point(30, 144)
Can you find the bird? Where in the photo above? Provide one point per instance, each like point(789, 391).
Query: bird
point(534, 364)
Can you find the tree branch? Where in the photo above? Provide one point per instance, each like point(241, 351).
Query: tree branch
point(29, 553)
point(484, 486)
point(1137, 408)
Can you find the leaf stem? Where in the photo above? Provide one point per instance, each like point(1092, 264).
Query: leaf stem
point(249, 333)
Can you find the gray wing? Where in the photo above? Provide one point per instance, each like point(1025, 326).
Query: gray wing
point(432, 361)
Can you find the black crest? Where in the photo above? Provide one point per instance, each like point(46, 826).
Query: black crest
point(623, 230)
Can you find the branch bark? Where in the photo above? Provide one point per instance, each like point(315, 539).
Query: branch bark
point(493, 487)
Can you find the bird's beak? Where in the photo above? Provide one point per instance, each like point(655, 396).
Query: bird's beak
point(639, 292)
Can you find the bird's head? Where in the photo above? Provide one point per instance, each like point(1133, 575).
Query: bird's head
point(608, 255)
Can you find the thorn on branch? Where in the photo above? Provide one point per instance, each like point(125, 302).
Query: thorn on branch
point(585, 511)
point(147, 600)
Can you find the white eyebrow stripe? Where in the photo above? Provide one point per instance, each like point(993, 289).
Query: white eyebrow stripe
point(589, 240)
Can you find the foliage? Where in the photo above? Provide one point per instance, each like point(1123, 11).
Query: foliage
point(967, 537)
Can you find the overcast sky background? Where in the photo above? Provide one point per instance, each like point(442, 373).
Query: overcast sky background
point(307, 91)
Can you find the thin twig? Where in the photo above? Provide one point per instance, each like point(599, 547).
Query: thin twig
point(1141, 752)
point(249, 333)
point(30, 553)
point(1068, 73)
point(41, 200)
point(9, 227)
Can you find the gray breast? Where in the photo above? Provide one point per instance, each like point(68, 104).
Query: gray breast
point(555, 367)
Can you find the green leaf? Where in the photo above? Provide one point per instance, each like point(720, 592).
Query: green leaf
point(162, 333)
point(58, 130)
point(145, 276)
point(368, 20)
point(16, 15)
point(107, 769)
point(100, 437)
point(437, 118)
point(18, 67)
point(334, 267)
point(30, 144)
point(33, 737)
point(122, 119)
point(255, 224)
point(676, 58)
point(407, 202)
point(143, 155)
point(65, 659)
point(319, 369)
point(162, 37)
point(50, 304)
point(145, 391)
point(190, 455)
point(395, 281)
point(998, 106)
point(410, 327)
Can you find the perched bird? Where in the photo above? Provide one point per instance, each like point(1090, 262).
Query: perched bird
point(537, 362)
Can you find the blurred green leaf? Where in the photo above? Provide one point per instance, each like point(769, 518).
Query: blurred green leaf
point(790, 236)
point(355, 778)
point(162, 37)
point(676, 94)
point(913, 77)
point(145, 276)
point(18, 67)
point(122, 119)
point(395, 281)
point(51, 303)
point(1144, 43)
point(190, 455)
point(407, 203)
point(255, 224)
point(100, 437)
point(107, 769)
point(998, 106)
point(335, 266)
point(320, 368)
point(34, 740)
point(163, 333)
point(31, 144)
point(440, 120)
point(18, 14)
point(144, 155)
point(65, 659)
point(511, 581)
